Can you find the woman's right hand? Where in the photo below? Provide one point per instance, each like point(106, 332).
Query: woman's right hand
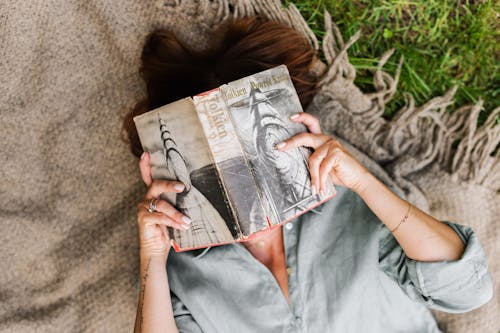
point(153, 234)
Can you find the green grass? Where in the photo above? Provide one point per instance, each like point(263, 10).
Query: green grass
point(444, 43)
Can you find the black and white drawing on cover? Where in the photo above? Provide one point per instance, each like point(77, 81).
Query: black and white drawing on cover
point(261, 120)
point(179, 151)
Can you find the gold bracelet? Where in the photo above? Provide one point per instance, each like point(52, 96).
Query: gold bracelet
point(404, 218)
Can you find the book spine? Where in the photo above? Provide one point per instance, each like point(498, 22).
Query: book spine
point(236, 176)
point(218, 136)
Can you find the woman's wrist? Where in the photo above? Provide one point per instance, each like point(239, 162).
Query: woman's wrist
point(366, 180)
point(146, 255)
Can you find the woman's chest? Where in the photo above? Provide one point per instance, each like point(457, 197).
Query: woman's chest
point(269, 252)
point(275, 263)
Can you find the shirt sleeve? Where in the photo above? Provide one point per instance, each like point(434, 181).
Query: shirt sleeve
point(183, 319)
point(453, 286)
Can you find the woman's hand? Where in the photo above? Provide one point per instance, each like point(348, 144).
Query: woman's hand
point(153, 235)
point(329, 157)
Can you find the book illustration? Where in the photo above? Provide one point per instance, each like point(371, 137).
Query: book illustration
point(190, 202)
point(187, 160)
point(281, 176)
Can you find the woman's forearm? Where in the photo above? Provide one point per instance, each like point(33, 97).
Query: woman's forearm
point(421, 236)
point(154, 312)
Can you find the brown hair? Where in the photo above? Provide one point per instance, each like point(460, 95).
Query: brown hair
point(239, 48)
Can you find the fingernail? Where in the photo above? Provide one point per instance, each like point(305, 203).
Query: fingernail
point(186, 226)
point(295, 116)
point(142, 156)
point(280, 145)
point(186, 219)
point(179, 187)
point(313, 189)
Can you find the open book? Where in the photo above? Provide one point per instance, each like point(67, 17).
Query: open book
point(221, 145)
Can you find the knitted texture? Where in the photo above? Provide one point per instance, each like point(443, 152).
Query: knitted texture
point(69, 185)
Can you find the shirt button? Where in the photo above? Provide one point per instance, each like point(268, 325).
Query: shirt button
point(289, 226)
point(289, 270)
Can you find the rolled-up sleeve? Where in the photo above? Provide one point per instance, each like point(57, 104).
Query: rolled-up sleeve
point(183, 319)
point(453, 286)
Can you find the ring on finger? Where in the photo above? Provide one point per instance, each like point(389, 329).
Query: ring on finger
point(152, 205)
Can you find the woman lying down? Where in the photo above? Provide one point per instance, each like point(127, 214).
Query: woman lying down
point(370, 262)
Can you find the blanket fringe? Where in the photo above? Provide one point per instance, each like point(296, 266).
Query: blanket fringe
point(418, 136)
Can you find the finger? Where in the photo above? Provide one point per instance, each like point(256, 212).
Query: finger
point(161, 219)
point(145, 168)
point(303, 139)
point(314, 162)
point(159, 186)
point(164, 207)
point(331, 161)
point(311, 122)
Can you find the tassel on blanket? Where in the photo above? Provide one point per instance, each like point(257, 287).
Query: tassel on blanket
point(416, 137)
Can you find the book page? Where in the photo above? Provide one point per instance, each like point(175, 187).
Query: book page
point(235, 173)
point(173, 136)
point(260, 106)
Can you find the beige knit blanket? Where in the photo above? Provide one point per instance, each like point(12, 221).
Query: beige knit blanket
point(69, 186)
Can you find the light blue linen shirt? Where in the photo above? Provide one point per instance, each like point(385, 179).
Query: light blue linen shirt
point(347, 273)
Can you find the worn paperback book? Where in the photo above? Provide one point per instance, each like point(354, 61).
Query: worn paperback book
point(221, 145)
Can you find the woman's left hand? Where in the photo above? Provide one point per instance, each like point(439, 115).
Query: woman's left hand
point(330, 158)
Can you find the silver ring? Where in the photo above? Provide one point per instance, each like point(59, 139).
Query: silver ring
point(152, 205)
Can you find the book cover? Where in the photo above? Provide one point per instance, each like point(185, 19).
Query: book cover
point(221, 145)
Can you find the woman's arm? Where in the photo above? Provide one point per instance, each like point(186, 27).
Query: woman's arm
point(154, 312)
point(424, 256)
point(421, 236)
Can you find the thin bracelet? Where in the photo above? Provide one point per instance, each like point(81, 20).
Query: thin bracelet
point(404, 218)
